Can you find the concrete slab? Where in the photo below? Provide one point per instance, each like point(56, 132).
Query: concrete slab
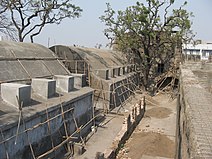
point(46, 88)
point(11, 91)
point(11, 70)
point(64, 83)
point(36, 68)
point(79, 80)
point(56, 68)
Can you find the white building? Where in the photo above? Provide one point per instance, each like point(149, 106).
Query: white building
point(202, 50)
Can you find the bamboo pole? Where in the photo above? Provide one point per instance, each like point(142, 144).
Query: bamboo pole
point(89, 76)
point(40, 124)
point(64, 124)
point(66, 140)
point(20, 109)
point(49, 128)
point(6, 153)
point(76, 66)
point(67, 71)
point(103, 97)
point(78, 128)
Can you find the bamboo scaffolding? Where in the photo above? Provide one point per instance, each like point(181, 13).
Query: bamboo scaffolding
point(128, 90)
point(49, 129)
point(104, 99)
point(78, 129)
point(24, 124)
point(6, 153)
point(98, 96)
point(64, 123)
point(114, 95)
point(40, 124)
point(19, 122)
point(66, 140)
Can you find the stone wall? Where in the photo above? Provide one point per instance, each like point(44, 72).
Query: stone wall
point(43, 126)
point(130, 123)
point(194, 118)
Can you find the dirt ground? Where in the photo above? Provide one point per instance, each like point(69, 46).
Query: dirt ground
point(158, 112)
point(155, 135)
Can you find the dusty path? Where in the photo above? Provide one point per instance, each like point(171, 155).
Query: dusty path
point(154, 137)
point(108, 130)
point(104, 136)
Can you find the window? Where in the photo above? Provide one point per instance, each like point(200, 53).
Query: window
point(203, 53)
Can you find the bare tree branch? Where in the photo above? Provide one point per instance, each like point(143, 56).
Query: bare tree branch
point(29, 17)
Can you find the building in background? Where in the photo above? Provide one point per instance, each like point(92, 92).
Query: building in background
point(198, 51)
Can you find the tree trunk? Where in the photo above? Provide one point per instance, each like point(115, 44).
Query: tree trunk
point(147, 68)
point(20, 37)
point(145, 79)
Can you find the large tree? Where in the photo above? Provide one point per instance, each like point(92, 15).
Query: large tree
point(29, 17)
point(150, 32)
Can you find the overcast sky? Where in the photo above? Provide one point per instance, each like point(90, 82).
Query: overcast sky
point(88, 30)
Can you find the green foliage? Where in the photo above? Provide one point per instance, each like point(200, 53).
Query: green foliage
point(149, 31)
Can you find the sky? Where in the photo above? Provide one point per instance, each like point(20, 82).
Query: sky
point(88, 29)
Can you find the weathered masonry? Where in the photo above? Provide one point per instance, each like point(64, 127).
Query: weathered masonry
point(107, 71)
point(44, 109)
point(195, 111)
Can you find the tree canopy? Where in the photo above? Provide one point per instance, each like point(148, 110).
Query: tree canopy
point(27, 18)
point(149, 32)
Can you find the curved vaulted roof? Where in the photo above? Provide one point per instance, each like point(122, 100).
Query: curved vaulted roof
point(19, 61)
point(96, 58)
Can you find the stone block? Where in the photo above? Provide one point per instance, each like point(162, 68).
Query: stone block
point(102, 73)
point(129, 68)
point(117, 71)
point(64, 83)
point(79, 80)
point(46, 88)
point(12, 92)
point(133, 67)
point(112, 72)
point(123, 70)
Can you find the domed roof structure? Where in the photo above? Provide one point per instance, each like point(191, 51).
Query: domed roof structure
point(19, 61)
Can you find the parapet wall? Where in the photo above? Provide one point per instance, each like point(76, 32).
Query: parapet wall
point(47, 128)
point(194, 118)
point(128, 126)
